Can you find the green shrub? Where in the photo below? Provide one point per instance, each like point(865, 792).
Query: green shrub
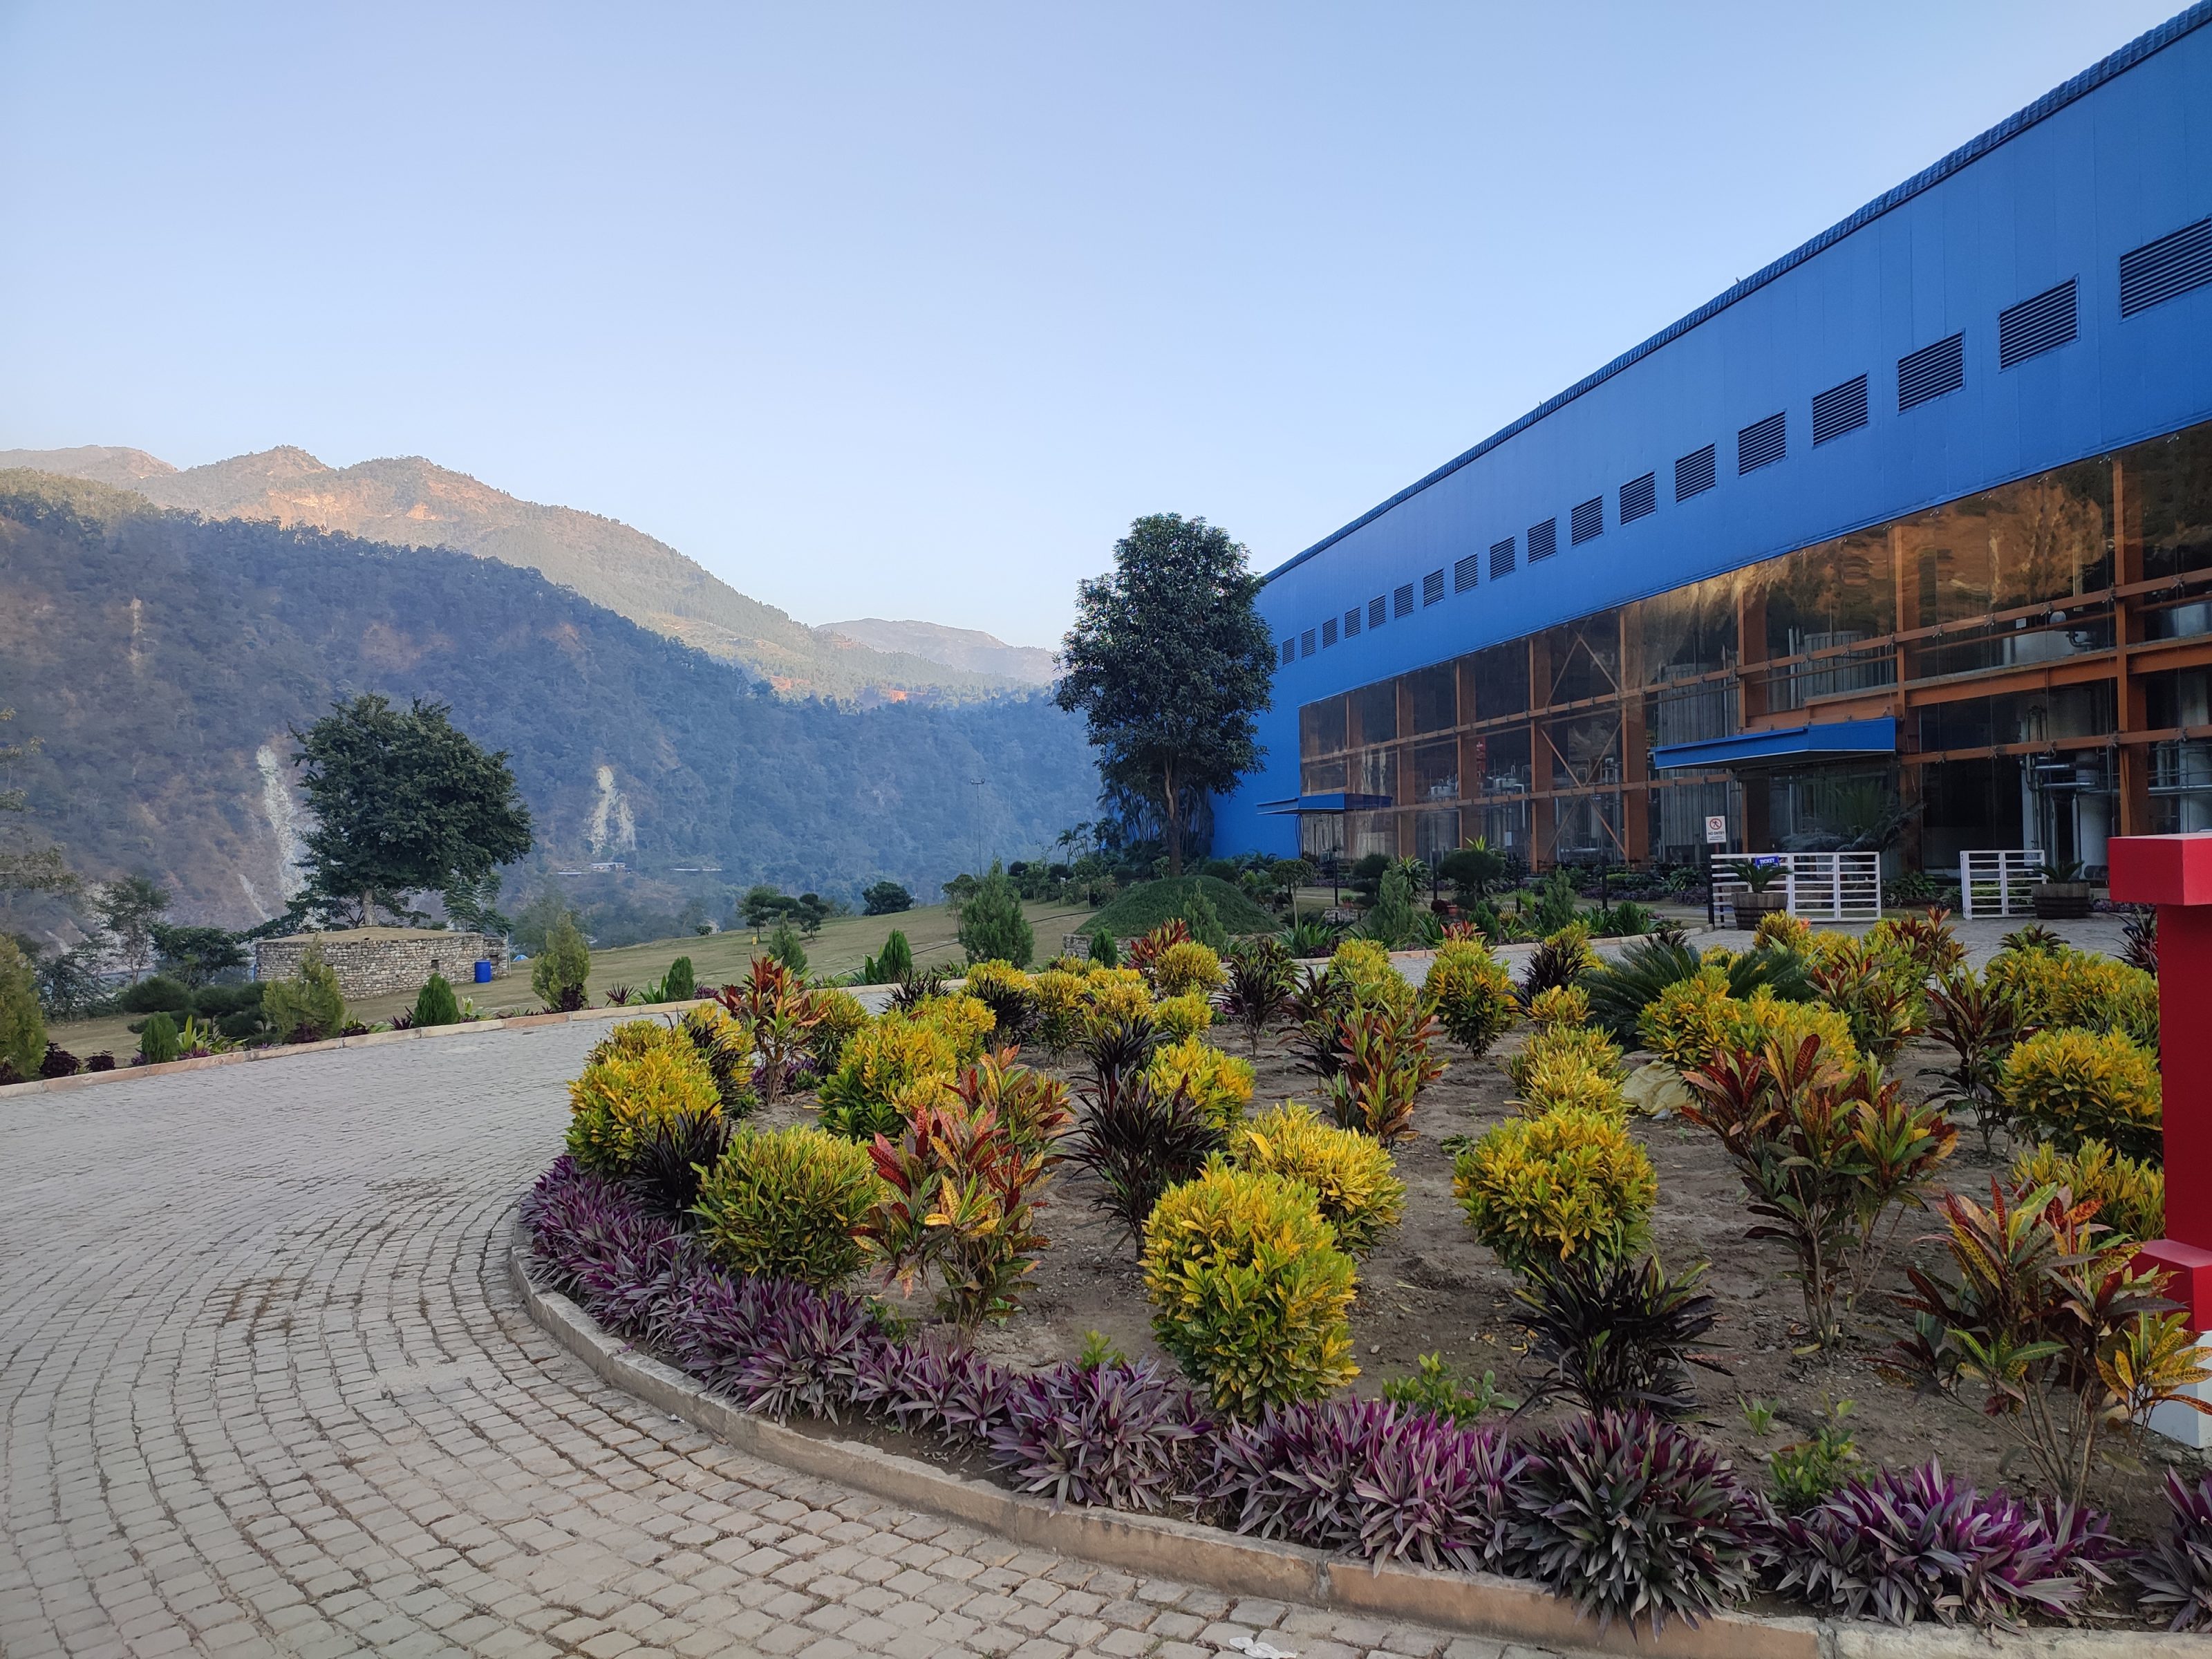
point(157, 994)
point(1203, 917)
point(1538, 1191)
point(679, 984)
point(435, 1004)
point(1249, 1289)
point(860, 1098)
point(558, 972)
point(895, 963)
point(1471, 994)
point(1103, 951)
point(1353, 1177)
point(992, 926)
point(1392, 922)
point(785, 1205)
point(1147, 905)
point(157, 1041)
point(1436, 1389)
point(784, 946)
point(22, 1024)
point(2129, 1195)
point(2069, 1086)
point(630, 1088)
point(305, 1003)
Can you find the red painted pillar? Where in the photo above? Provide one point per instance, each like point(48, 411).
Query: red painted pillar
point(2174, 872)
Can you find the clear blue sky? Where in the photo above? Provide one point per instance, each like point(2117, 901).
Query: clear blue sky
point(908, 310)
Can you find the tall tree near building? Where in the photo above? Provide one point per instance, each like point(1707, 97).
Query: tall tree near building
point(404, 802)
point(130, 909)
point(1171, 664)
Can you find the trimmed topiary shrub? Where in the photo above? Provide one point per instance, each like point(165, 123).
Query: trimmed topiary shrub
point(784, 1205)
point(2069, 1086)
point(1249, 1289)
point(620, 1094)
point(1353, 1178)
point(1633, 1517)
point(1540, 1190)
point(1470, 993)
point(435, 1004)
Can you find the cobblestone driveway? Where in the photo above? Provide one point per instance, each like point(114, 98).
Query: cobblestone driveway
point(267, 1392)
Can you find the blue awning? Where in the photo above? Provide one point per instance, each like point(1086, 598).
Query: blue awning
point(1338, 800)
point(1834, 740)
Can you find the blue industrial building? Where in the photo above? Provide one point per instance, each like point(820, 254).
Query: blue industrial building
point(1905, 541)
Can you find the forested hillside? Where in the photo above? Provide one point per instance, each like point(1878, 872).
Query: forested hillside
point(158, 656)
point(405, 501)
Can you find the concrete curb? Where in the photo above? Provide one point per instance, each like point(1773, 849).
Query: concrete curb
point(1483, 1604)
point(47, 1086)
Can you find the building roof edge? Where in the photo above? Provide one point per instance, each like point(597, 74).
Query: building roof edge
point(2105, 69)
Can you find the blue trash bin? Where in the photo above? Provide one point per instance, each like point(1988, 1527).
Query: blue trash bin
point(484, 972)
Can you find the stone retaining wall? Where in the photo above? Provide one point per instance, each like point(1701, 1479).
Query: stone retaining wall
point(370, 961)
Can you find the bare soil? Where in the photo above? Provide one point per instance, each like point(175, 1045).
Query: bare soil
point(1429, 1287)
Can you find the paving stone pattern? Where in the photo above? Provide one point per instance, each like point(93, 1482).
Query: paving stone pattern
point(267, 1391)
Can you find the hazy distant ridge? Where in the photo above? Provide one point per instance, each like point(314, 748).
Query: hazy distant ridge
point(407, 500)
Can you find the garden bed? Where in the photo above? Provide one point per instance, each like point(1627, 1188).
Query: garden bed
point(1430, 1288)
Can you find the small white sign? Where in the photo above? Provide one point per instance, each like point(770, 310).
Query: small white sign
point(1717, 831)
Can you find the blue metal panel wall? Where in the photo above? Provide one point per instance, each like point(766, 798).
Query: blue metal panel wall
point(2108, 169)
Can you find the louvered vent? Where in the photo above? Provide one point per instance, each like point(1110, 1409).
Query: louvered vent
point(1352, 623)
point(1290, 652)
point(1587, 522)
point(1543, 540)
point(1693, 474)
point(1432, 588)
point(1639, 497)
point(2158, 271)
point(1328, 634)
point(2035, 326)
point(1378, 612)
point(1839, 409)
point(1401, 600)
point(1464, 573)
point(1762, 443)
point(1306, 643)
point(1501, 558)
point(1930, 372)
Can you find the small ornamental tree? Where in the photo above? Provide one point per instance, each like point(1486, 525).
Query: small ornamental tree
point(197, 955)
point(1171, 664)
point(886, 898)
point(557, 975)
point(992, 926)
point(435, 1004)
point(23, 1027)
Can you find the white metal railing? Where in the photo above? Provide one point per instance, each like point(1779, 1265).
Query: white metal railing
point(1820, 886)
point(1999, 883)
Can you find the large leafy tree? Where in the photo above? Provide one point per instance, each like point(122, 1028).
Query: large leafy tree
point(1170, 664)
point(404, 802)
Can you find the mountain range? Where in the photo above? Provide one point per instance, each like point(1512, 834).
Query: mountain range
point(162, 658)
point(405, 501)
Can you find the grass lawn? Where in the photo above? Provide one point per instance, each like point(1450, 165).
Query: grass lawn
point(715, 960)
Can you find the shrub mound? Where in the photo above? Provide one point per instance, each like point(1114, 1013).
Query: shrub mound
point(1150, 904)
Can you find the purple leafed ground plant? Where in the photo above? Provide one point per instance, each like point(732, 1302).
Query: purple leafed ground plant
point(1911, 1544)
point(1119, 1435)
point(2176, 1572)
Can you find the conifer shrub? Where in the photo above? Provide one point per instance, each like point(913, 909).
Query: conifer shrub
point(617, 1096)
point(2069, 1086)
point(304, 1005)
point(1538, 1191)
point(889, 1054)
point(2130, 1194)
point(22, 1024)
point(157, 1041)
point(1249, 1292)
point(1353, 1178)
point(436, 1003)
point(1184, 1017)
point(1185, 968)
point(1470, 993)
point(1218, 1084)
point(785, 1205)
point(992, 926)
point(1104, 952)
point(680, 983)
point(558, 974)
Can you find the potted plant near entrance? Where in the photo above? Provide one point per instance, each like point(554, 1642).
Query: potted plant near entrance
point(2061, 895)
point(1767, 896)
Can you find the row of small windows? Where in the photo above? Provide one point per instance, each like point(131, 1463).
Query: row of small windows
point(2174, 264)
